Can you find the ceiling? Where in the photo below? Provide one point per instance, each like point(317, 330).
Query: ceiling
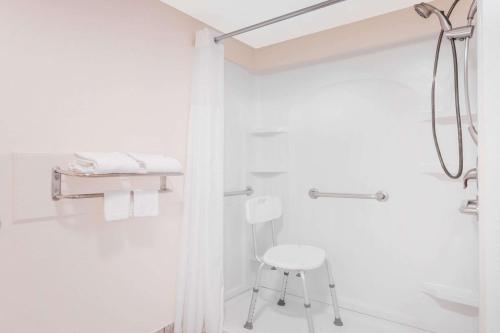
point(229, 15)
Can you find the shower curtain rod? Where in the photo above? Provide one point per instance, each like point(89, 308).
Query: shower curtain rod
point(277, 19)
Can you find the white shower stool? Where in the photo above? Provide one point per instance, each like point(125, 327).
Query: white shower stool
point(286, 258)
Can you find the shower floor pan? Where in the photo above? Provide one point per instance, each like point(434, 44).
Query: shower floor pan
point(271, 318)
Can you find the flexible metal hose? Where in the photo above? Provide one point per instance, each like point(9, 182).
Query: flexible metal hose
point(457, 104)
point(472, 128)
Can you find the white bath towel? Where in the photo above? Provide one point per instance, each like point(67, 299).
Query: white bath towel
point(156, 162)
point(145, 203)
point(104, 163)
point(116, 205)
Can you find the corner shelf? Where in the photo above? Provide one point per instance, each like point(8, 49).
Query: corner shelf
point(434, 170)
point(267, 171)
point(268, 151)
point(452, 294)
point(272, 131)
point(446, 120)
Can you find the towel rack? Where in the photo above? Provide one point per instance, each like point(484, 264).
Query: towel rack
point(247, 191)
point(379, 196)
point(57, 174)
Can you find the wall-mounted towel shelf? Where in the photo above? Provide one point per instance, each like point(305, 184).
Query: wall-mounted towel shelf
point(58, 173)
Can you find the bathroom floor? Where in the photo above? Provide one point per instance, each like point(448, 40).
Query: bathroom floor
point(271, 318)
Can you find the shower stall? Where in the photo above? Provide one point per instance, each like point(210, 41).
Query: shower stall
point(357, 129)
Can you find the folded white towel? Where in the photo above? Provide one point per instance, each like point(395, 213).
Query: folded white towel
point(156, 162)
point(145, 203)
point(103, 163)
point(116, 205)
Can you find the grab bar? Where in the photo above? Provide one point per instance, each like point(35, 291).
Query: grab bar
point(247, 191)
point(314, 193)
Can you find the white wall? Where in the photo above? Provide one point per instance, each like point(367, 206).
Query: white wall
point(489, 164)
point(240, 104)
point(360, 125)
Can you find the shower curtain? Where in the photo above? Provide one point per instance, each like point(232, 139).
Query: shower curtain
point(200, 288)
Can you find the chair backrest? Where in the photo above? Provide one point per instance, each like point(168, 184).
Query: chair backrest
point(263, 209)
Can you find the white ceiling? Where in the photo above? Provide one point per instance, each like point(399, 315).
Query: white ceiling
point(229, 15)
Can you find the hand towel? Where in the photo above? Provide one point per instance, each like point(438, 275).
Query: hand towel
point(116, 205)
point(103, 163)
point(145, 203)
point(156, 162)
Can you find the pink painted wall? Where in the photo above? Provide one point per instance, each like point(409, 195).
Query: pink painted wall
point(89, 76)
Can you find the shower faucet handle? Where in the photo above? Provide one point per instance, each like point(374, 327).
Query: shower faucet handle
point(470, 207)
point(469, 175)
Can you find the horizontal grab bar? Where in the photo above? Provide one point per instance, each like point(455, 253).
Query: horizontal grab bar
point(379, 196)
point(247, 191)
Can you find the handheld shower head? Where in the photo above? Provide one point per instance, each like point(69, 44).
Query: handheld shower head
point(423, 10)
point(426, 10)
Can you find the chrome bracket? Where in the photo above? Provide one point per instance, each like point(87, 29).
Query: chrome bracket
point(470, 207)
point(460, 33)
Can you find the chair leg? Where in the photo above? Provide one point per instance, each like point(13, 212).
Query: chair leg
point(333, 293)
point(307, 303)
point(251, 310)
point(281, 301)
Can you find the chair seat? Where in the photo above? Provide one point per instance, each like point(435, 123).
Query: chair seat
point(294, 257)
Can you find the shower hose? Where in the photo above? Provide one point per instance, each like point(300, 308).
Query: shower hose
point(457, 104)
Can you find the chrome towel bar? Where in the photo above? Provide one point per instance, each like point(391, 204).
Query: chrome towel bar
point(247, 191)
point(379, 196)
point(57, 174)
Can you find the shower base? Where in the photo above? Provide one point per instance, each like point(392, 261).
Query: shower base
point(271, 318)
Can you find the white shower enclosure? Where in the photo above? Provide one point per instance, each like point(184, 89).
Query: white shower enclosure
point(357, 125)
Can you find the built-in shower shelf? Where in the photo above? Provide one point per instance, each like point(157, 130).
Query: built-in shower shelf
point(451, 294)
point(434, 170)
point(448, 120)
point(267, 171)
point(268, 131)
point(439, 175)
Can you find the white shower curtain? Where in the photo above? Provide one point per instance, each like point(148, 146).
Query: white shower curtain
point(200, 287)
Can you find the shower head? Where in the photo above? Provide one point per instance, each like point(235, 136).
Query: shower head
point(426, 10)
point(423, 10)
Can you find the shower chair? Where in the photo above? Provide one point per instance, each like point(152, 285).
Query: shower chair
point(291, 258)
